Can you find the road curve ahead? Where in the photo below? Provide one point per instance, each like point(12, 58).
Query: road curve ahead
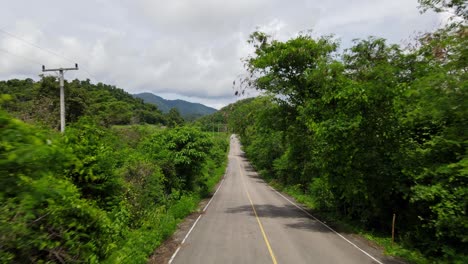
point(248, 222)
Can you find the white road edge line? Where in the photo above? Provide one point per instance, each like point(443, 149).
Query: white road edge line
point(331, 229)
point(194, 224)
point(190, 231)
point(206, 206)
point(173, 255)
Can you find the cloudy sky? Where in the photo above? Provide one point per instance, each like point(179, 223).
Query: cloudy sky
point(187, 49)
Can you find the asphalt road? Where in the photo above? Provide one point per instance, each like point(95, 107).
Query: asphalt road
point(248, 222)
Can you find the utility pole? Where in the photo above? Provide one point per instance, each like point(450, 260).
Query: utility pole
point(62, 92)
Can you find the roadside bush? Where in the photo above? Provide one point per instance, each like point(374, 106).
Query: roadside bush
point(96, 159)
point(43, 216)
point(181, 153)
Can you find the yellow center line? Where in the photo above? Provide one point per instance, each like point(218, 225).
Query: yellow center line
point(256, 215)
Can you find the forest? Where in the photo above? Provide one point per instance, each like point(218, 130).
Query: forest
point(367, 132)
point(110, 189)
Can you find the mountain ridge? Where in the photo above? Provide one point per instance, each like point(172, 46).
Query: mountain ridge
point(188, 110)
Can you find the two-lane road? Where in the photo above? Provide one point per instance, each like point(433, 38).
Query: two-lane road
point(248, 222)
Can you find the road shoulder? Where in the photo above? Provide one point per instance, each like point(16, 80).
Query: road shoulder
point(363, 243)
point(164, 252)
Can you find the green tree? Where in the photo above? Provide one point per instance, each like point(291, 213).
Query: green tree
point(174, 118)
point(181, 153)
point(375, 131)
point(458, 7)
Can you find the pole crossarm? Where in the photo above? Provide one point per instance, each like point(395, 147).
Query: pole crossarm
point(60, 69)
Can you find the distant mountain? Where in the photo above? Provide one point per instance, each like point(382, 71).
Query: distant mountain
point(188, 110)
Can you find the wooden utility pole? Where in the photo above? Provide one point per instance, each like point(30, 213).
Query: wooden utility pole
point(62, 92)
point(393, 228)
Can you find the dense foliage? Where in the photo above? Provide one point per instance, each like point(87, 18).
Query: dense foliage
point(98, 194)
point(367, 133)
point(213, 122)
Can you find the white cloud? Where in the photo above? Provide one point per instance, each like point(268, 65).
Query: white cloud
point(186, 48)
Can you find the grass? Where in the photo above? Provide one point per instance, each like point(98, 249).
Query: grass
point(217, 175)
point(158, 226)
point(216, 171)
point(158, 126)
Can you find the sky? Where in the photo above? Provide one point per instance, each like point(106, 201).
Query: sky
point(181, 49)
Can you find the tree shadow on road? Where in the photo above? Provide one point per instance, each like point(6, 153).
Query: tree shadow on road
point(298, 220)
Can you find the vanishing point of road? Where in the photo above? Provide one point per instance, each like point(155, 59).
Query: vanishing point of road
point(248, 222)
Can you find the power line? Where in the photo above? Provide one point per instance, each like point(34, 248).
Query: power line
point(90, 75)
point(34, 45)
point(44, 49)
point(22, 57)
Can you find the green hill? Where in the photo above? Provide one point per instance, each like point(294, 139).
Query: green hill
point(188, 110)
point(38, 102)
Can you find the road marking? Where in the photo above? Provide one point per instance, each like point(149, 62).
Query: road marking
point(196, 221)
point(173, 256)
point(190, 231)
point(273, 258)
point(331, 229)
point(206, 206)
